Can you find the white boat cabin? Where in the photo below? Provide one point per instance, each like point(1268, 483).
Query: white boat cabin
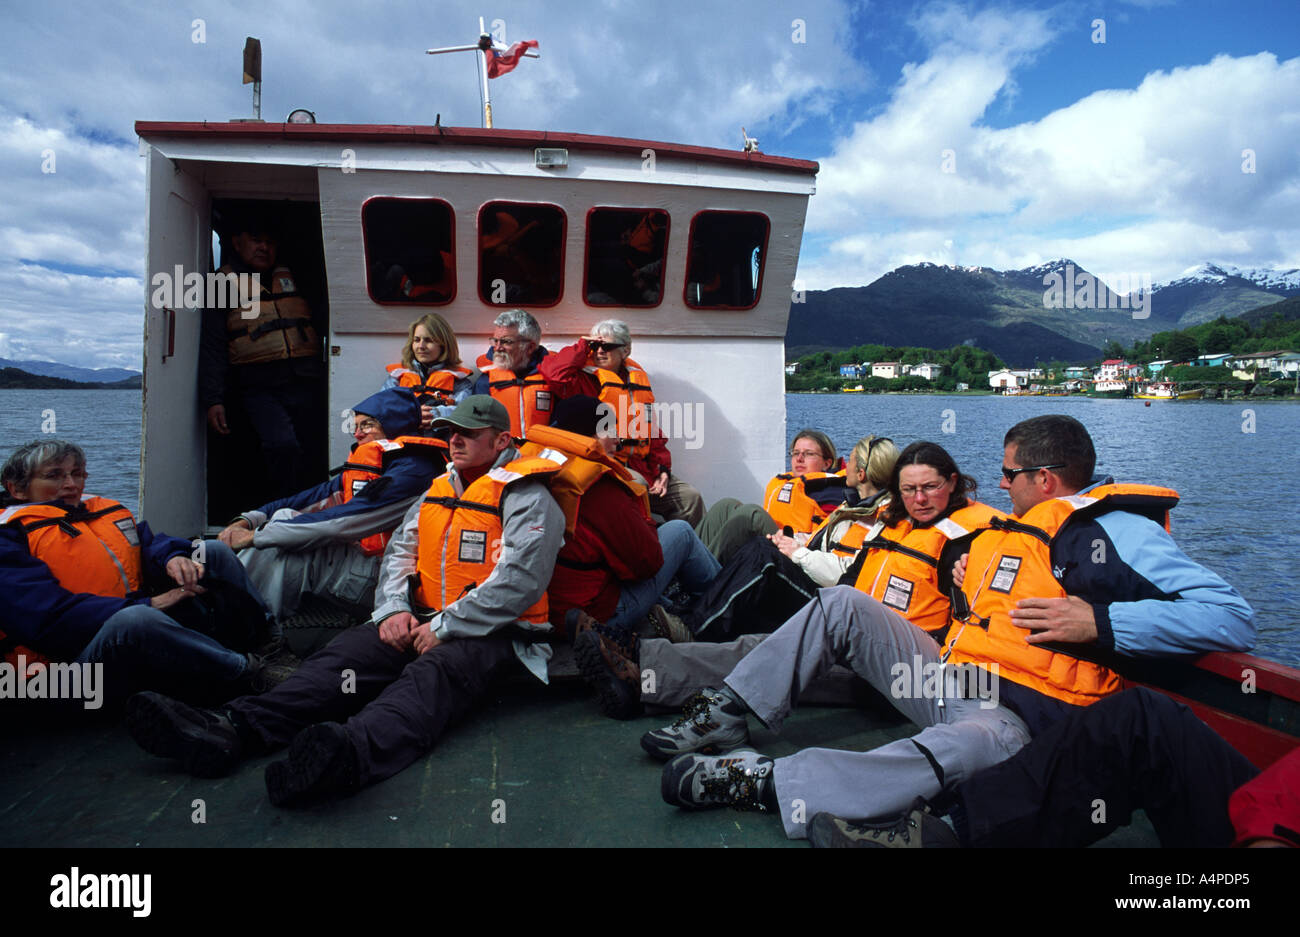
point(383, 224)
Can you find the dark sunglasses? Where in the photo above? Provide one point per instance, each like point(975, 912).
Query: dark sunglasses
point(1010, 474)
point(604, 346)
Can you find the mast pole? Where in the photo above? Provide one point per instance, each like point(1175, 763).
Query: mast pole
point(482, 58)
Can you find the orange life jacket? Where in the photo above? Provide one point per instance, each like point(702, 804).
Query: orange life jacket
point(901, 567)
point(527, 399)
point(1012, 560)
point(460, 536)
point(275, 326)
point(584, 463)
point(368, 461)
point(788, 502)
point(436, 389)
point(93, 548)
point(631, 401)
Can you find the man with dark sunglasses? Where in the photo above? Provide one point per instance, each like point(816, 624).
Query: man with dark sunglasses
point(1049, 600)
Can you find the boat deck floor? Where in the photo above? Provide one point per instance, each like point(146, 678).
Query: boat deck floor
point(534, 766)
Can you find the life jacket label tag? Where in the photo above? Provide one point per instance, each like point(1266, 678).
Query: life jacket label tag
point(127, 527)
point(286, 285)
point(357, 485)
point(1005, 577)
point(544, 400)
point(898, 593)
point(784, 494)
point(473, 546)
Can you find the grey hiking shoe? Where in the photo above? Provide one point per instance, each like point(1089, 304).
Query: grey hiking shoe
point(667, 625)
point(713, 721)
point(742, 780)
point(918, 829)
point(266, 673)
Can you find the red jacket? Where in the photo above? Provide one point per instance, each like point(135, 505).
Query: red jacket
point(563, 369)
point(612, 543)
point(1269, 806)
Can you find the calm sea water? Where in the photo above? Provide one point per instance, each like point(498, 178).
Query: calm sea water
point(1234, 463)
point(1237, 514)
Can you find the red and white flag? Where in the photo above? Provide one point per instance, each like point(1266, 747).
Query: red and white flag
point(499, 63)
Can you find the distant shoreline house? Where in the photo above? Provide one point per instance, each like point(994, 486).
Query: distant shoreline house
point(1004, 379)
point(851, 370)
point(1252, 366)
point(887, 369)
point(1212, 361)
point(924, 369)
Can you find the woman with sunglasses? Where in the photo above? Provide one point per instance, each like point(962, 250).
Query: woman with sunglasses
point(769, 578)
point(600, 365)
point(82, 582)
point(796, 502)
point(431, 367)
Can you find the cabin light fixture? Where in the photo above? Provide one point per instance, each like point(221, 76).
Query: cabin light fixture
point(551, 157)
point(300, 115)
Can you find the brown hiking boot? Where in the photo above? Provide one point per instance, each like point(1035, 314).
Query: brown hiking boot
point(614, 676)
point(667, 625)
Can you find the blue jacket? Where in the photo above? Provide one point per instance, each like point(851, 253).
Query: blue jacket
point(38, 612)
point(379, 506)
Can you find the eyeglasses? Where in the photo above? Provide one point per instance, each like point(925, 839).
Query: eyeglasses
point(604, 346)
point(1010, 474)
point(929, 490)
point(806, 454)
point(367, 426)
point(57, 475)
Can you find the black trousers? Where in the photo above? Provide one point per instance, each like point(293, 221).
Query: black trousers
point(1083, 777)
point(394, 705)
point(756, 591)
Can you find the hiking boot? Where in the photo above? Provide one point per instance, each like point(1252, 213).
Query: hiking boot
point(204, 741)
point(277, 651)
point(266, 673)
point(918, 829)
point(742, 780)
point(667, 625)
point(321, 764)
point(713, 721)
point(613, 674)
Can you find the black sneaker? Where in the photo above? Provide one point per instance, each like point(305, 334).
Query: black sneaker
point(204, 741)
point(609, 671)
point(740, 780)
point(711, 722)
point(918, 829)
point(321, 764)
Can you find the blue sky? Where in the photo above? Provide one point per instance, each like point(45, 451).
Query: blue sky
point(994, 134)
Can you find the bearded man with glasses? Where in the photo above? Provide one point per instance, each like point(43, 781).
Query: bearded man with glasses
point(511, 371)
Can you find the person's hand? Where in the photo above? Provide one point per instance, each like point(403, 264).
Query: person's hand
point(184, 571)
point(959, 570)
point(172, 596)
point(787, 545)
point(425, 639)
point(426, 415)
point(238, 535)
point(660, 486)
point(397, 630)
point(217, 419)
point(1067, 619)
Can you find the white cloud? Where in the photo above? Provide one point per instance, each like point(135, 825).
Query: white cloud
point(1150, 178)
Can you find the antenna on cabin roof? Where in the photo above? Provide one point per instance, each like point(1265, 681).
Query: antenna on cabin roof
point(495, 59)
point(253, 72)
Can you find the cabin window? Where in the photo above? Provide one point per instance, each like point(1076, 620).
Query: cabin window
point(625, 256)
point(410, 250)
point(724, 265)
point(521, 254)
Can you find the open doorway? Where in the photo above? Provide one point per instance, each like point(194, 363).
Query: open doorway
point(268, 374)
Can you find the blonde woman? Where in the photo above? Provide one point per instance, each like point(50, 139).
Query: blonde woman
point(431, 367)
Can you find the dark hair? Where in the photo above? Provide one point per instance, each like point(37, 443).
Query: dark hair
point(1055, 439)
point(937, 457)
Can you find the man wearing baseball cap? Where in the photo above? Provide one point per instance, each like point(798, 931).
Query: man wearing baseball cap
point(461, 600)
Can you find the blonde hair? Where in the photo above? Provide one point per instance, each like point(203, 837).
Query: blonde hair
point(875, 457)
point(436, 326)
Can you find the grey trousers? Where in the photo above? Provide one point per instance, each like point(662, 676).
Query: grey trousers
point(340, 570)
point(958, 737)
point(672, 673)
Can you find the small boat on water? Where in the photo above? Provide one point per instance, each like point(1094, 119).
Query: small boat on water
point(1168, 390)
point(712, 336)
point(1109, 388)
